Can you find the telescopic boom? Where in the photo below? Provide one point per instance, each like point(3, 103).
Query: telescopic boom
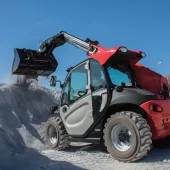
point(43, 63)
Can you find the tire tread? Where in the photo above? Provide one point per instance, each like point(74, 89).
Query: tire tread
point(144, 132)
point(63, 135)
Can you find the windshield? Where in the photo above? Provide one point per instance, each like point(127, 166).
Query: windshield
point(118, 75)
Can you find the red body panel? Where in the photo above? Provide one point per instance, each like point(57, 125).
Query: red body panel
point(158, 121)
point(103, 54)
point(149, 80)
point(146, 78)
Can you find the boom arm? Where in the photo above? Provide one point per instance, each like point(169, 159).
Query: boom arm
point(42, 63)
point(50, 44)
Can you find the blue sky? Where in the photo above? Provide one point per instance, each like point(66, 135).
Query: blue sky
point(138, 25)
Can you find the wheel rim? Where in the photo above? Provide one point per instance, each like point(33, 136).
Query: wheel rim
point(121, 136)
point(53, 135)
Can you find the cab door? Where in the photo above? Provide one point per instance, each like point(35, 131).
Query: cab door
point(76, 108)
point(99, 88)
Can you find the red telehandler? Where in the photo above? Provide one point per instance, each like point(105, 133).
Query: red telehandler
point(108, 98)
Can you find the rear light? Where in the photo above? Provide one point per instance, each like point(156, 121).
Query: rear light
point(123, 49)
point(155, 108)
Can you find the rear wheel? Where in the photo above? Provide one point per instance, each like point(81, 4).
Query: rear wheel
point(56, 135)
point(127, 136)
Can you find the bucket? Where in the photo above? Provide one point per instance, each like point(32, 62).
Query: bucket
point(33, 63)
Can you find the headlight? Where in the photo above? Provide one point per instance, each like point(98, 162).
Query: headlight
point(143, 54)
point(155, 108)
point(92, 49)
point(123, 49)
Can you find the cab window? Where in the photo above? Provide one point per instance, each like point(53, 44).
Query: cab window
point(119, 74)
point(98, 80)
point(76, 84)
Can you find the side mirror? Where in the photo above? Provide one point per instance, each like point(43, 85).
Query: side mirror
point(53, 81)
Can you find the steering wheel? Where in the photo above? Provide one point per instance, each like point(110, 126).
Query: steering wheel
point(81, 93)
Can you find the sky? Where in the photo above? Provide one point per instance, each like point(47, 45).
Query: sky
point(138, 25)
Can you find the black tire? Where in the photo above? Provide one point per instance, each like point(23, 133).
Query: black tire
point(55, 124)
point(140, 142)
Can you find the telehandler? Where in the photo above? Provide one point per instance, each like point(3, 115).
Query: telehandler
point(108, 98)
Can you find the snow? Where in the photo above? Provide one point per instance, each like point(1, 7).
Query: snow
point(23, 113)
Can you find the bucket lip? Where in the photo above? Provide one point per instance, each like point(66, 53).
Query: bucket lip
point(45, 73)
point(33, 55)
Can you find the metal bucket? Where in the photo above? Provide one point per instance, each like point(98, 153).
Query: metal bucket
point(33, 63)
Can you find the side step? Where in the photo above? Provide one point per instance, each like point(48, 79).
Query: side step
point(86, 140)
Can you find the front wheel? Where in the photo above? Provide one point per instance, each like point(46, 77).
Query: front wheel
point(56, 135)
point(127, 136)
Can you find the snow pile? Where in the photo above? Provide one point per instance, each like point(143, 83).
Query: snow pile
point(23, 112)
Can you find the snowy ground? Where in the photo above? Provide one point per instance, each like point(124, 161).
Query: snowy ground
point(22, 116)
